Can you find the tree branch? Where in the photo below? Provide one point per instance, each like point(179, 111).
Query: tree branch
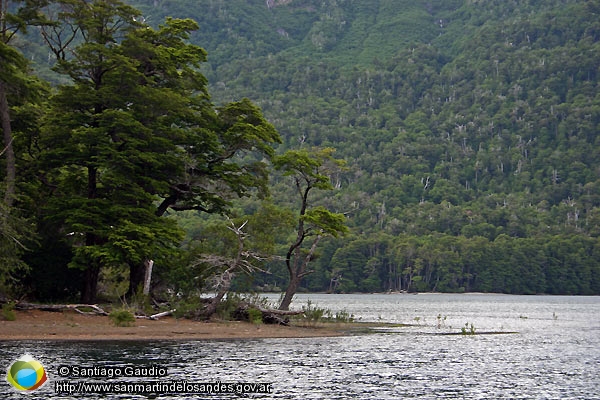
point(6, 147)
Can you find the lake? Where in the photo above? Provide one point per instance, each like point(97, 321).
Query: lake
point(524, 347)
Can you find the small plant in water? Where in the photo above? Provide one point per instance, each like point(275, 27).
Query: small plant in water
point(315, 314)
point(468, 329)
point(312, 313)
point(344, 316)
point(441, 321)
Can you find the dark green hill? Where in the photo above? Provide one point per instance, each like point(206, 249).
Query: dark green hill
point(349, 32)
point(470, 128)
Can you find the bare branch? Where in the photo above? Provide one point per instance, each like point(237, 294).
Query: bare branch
point(7, 146)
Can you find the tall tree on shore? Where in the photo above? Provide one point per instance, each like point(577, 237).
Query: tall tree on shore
point(12, 73)
point(309, 170)
point(135, 130)
point(17, 88)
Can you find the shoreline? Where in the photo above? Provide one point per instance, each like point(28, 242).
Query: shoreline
point(72, 326)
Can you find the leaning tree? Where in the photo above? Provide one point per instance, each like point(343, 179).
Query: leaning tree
point(309, 170)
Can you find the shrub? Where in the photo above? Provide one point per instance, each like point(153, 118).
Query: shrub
point(8, 312)
point(255, 316)
point(122, 317)
point(312, 313)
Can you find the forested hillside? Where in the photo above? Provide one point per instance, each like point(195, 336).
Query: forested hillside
point(468, 130)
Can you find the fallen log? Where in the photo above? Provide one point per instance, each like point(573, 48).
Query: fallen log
point(157, 316)
point(162, 314)
point(96, 310)
point(278, 312)
point(269, 316)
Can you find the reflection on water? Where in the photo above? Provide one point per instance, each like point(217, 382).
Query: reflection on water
point(555, 355)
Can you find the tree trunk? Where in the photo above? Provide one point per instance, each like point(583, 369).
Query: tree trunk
point(148, 264)
point(211, 308)
point(290, 292)
point(90, 284)
point(21, 305)
point(91, 274)
point(137, 274)
point(227, 278)
point(11, 172)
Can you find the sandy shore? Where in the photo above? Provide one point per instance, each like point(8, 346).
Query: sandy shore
point(69, 325)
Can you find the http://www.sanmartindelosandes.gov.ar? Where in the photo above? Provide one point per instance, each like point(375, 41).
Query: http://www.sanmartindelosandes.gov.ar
point(26, 374)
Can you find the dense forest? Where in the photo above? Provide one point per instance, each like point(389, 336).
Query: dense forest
point(461, 144)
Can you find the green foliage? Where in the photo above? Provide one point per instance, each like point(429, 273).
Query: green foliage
point(122, 318)
point(312, 313)
point(185, 306)
point(255, 315)
point(8, 312)
point(140, 302)
point(308, 173)
point(340, 316)
point(15, 231)
point(328, 222)
point(310, 166)
point(134, 135)
point(228, 306)
point(468, 329)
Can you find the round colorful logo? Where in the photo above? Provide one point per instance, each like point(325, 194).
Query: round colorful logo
point(26, 374)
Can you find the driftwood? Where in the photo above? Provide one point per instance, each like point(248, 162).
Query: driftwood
point(96, 310)
point(269, 316)
point(162, 314)
point(157, 316)
point(279, 317)
point(278, 312)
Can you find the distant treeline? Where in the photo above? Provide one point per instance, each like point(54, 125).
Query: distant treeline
point(444, 263)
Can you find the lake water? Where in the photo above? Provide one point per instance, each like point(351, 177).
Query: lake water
point(555, 353)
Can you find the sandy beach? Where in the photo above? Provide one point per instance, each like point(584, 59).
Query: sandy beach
point(69, 325)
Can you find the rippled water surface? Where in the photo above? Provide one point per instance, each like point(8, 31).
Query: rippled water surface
point(554, 354)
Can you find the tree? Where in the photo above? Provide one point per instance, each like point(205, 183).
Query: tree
point(7, 133)
point(309, 171)
point(215, 170)
point(223, 152)
point(240, 260)
point(12, 74)
point(96, 149)
point(136, 130)
point(17, 88)
point(14, 231)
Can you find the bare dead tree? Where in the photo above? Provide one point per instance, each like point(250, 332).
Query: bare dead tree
point(243, 262)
